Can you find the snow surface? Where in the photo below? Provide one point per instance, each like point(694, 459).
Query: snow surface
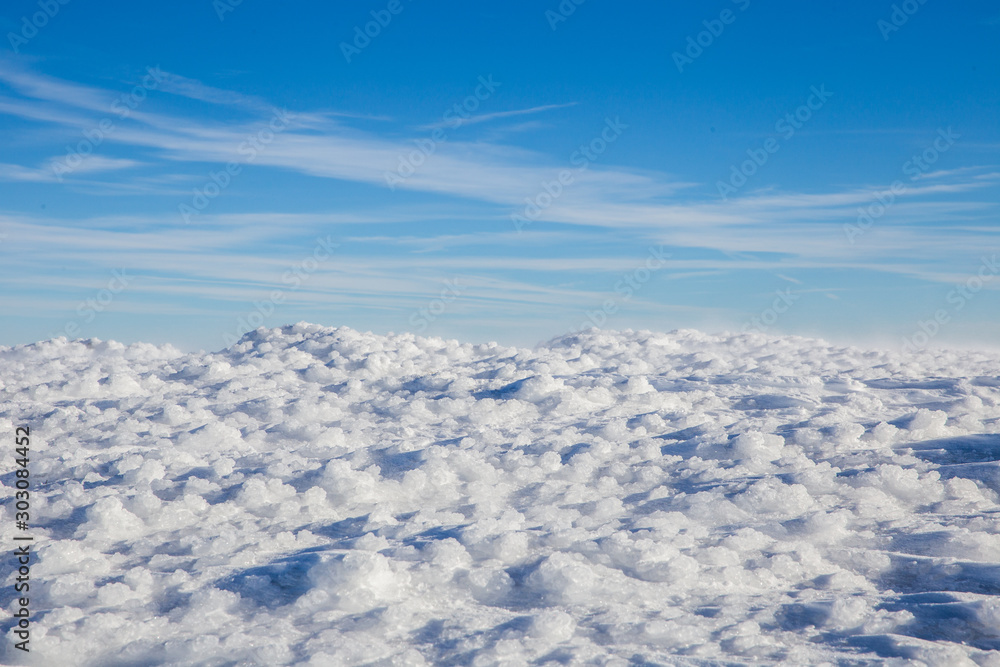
point(327, 497)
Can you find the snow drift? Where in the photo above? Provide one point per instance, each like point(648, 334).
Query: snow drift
point(327, 497)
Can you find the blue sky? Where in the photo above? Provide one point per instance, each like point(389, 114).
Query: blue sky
point(500, 171)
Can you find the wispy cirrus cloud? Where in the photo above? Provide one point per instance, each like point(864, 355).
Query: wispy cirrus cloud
point(89, 164)
point(15, 172)
point(487, 117)
point(196, 90)
point(495, 174)
point(765, 230)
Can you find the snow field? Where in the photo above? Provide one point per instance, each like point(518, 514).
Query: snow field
point(322, 496)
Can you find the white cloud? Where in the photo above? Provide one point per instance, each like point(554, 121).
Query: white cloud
point(484, 118)
point(804, 228)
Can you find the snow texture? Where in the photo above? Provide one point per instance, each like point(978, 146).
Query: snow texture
point(318, 496)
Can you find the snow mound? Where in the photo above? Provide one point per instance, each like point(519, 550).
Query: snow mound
point(320, 496)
